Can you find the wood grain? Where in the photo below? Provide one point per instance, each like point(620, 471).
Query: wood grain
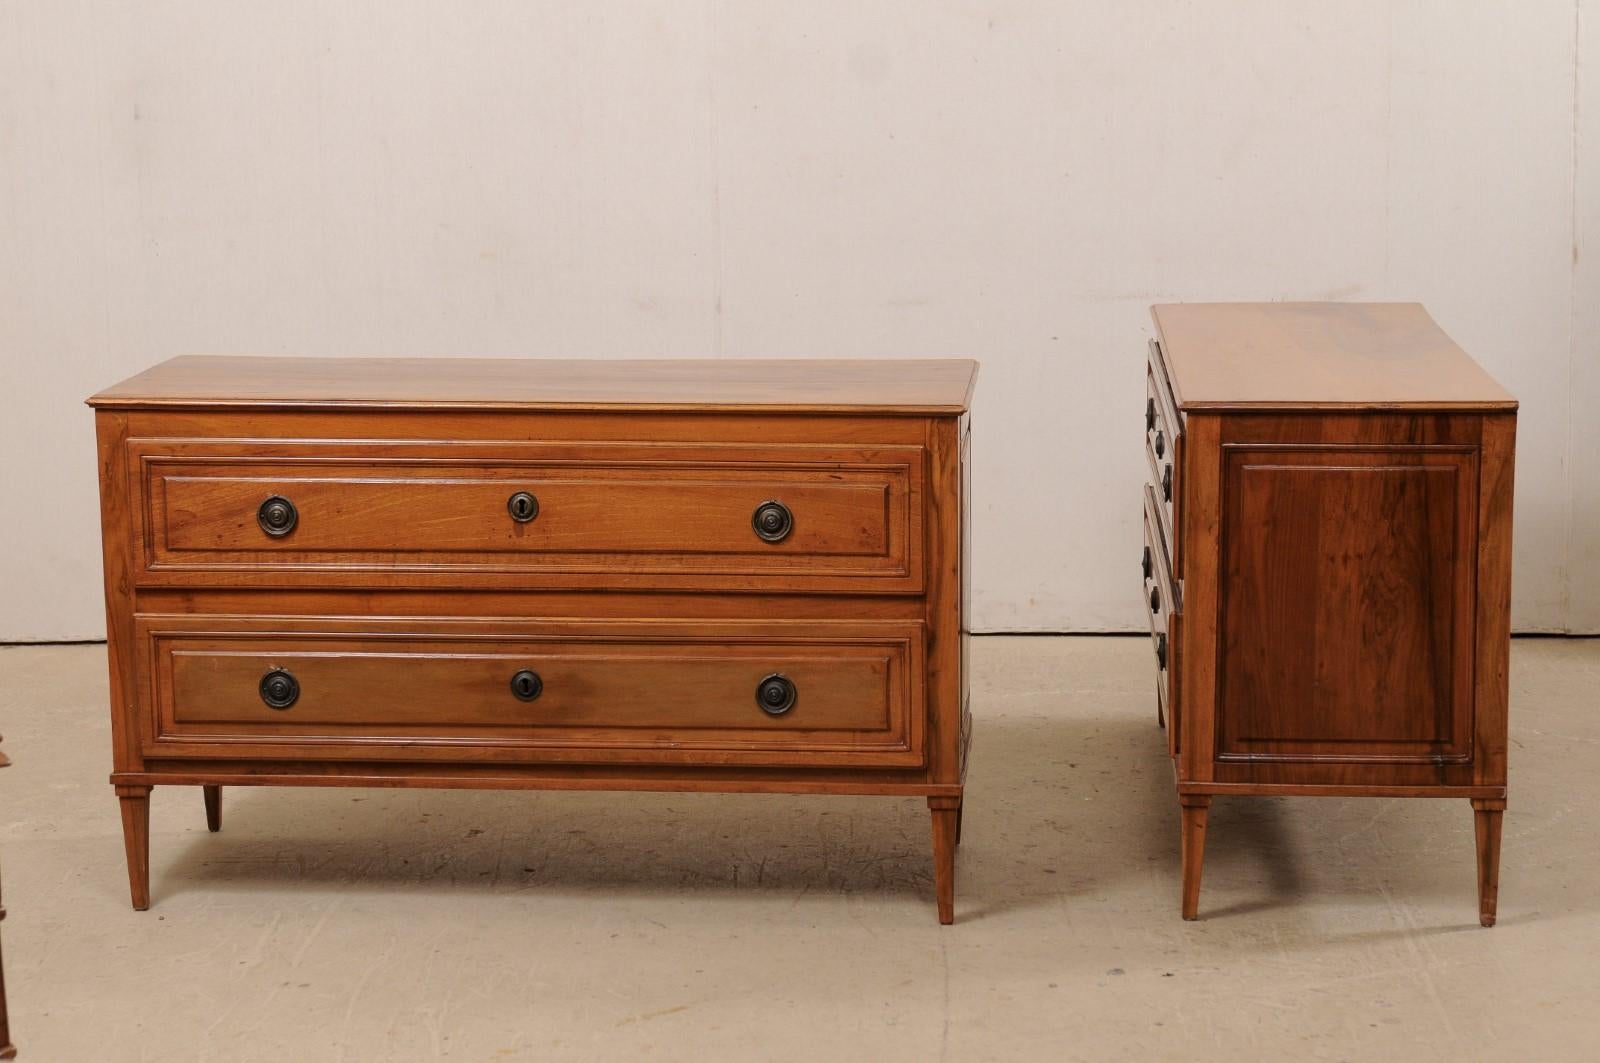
point(466, 775)
point(946, 630)
point(1492, 660)
point(1351, 789)
point(909, 388)
point(1319, 356)
point(1199, 542)
point(1347, 606)
point(118, 547)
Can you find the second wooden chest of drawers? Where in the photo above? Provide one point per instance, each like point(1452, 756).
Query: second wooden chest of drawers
point(1327, 561)
point(736, 576)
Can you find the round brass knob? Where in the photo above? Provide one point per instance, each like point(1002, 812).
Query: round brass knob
point(279, 689)
point(772, 521)
point(277, 516)
point(776, 694)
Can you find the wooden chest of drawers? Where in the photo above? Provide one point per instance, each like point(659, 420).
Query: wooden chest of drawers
point(732, 576)
point(1327, 561)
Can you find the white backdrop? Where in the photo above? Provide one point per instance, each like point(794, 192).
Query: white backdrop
point(1011, 181)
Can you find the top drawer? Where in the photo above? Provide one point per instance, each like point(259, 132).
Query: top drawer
point(741, 517)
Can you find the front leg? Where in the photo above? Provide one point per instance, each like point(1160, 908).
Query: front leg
point(1196, 809)
point(213, 799)
point(946, 819)
point(1487, 815)
point(135, 801)
point(7, 1049)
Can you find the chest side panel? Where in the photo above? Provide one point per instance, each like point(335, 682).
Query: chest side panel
point(1346, 607)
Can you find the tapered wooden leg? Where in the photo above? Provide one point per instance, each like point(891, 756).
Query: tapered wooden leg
point(1193, 847)
point(959, 812)
point(213, 796)
point(1487, 816)
point(946, 815)
point(7, 1049)
point(135, 801)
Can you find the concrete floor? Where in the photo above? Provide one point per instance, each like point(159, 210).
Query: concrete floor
point(410, 925)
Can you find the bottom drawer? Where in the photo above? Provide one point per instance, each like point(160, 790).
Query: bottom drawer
point(756, 693)
point(1164, 610)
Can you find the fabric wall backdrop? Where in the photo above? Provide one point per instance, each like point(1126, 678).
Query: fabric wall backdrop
point(1009, 181)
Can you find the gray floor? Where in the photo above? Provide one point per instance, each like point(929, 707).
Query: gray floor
point(391, 925)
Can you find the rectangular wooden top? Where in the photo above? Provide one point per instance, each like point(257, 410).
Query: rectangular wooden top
point(1284, 356)
point(884, 386)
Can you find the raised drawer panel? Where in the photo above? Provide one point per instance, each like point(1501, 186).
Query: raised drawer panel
point(1347, 599)
point(528, 514)
point(837, 692)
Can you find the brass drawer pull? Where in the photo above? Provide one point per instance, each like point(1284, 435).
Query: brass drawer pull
point(772, 521)
point(1161, 444)
point(1166, 484)
point(522, 506)
point(1147, 565)
point(1149, 414)
point(1161, 652)
point(526, 685)
point(279, 689)
point(1155, 600)
point(277, 516)
point(776, 694)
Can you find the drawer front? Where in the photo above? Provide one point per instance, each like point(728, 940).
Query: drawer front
point(759, 693)
point(294, 514)
point(1164, 609)
point(1163, 442)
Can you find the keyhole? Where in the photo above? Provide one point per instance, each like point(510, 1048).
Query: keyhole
point(527, 685)
point(523, 507)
